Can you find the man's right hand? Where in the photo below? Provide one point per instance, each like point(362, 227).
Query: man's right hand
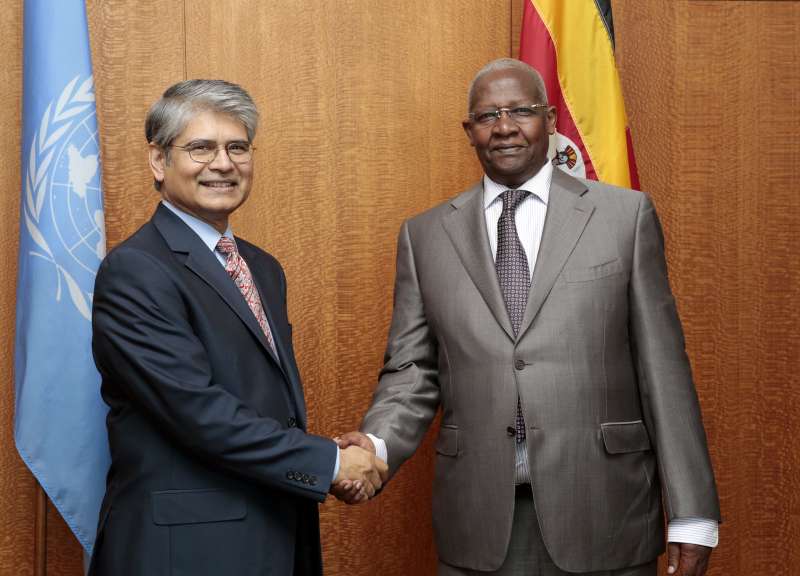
point(357, 465)
point(355, 438)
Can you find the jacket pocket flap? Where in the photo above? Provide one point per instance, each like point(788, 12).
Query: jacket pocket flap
point(195, 506)
point(593, 273)
point(447, 442)
point(622, 437)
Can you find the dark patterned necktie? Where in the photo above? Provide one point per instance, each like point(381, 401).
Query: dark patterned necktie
point(513, 273)
point(238, 270)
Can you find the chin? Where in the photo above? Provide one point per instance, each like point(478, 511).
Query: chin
point(509, 178)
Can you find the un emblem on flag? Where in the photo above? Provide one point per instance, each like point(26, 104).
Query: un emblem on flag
point(63, 206)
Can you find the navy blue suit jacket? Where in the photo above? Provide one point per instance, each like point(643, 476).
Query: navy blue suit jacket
point(212, 471)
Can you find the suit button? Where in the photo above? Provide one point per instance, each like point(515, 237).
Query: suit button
point(519, 364)
point(291, 422)
point(305, 478)
point(313, 480)
point(290, 475)
point(511, 431)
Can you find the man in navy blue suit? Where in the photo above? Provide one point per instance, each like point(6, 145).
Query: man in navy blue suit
point(212, 470)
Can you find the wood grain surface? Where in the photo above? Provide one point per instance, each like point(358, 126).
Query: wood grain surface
point(361, 106)
point(711, 93)
point(17, 487)
point(711, 89)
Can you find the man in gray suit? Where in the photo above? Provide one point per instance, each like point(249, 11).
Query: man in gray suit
point(535, 310)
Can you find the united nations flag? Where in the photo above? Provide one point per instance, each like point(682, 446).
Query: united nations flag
point(59, 424)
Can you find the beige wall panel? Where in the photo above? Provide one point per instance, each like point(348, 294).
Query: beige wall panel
point(362, 104)
point(16, 483)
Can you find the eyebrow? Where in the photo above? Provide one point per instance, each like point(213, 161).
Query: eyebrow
point(206, 141)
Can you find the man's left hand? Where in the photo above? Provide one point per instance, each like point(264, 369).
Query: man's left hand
point(350, 492)
point(687, 559)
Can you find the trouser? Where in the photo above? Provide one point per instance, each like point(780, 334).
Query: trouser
point(527, 555)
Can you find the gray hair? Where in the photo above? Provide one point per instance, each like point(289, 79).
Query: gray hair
point(168, 117)
point(508, 64)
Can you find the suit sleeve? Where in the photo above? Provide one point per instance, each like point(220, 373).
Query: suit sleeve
point(407, 395)
point(143, 342)
point(668, 394)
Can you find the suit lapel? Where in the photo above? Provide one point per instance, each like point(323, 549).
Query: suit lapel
point(270, 299)
point(201, 261)
point(466, 227)
point(568, 211)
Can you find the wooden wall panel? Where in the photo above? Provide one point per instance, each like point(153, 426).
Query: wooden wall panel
point(16, 484)
point(711, 93)
point(716, 133)
point(137, 51)
point(362, 104)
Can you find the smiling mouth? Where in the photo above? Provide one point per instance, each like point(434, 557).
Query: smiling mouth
point(218, 184)
point(507, 149)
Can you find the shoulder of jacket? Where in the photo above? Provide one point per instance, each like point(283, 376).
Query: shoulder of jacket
point(446, 207)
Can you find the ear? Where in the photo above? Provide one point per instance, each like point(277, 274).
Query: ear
point(467, 126)
point(550, 120)
point(158, 161)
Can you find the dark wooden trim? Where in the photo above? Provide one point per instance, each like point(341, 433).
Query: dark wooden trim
point(40, 535)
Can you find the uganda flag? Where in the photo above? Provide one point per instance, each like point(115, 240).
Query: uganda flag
point(571, 43)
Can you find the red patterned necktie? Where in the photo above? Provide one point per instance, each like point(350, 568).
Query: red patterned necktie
point(239, 272)
point(512, 272)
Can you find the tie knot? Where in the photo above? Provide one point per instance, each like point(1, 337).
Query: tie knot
point(226, 246)
point(512, 198)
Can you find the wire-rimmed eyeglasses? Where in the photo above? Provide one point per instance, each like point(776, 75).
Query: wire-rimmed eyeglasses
point(205, 151)
point(519, 114)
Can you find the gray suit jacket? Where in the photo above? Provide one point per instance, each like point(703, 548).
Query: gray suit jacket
point(599, 363)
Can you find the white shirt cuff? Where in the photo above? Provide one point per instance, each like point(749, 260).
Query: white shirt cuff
point(336, 466)
point(694, 531)
point(380, 447)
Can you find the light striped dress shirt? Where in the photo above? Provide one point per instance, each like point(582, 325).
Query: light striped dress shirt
point(529, 219)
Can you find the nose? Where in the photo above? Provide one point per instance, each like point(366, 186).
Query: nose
point(221, 162)
point(504, 124)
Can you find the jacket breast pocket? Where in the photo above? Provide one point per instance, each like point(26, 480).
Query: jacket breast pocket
point(625, 437)
point(174, 507)
point(447, 442)
point(593, 272)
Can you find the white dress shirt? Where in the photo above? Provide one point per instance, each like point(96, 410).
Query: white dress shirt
point(529, 219)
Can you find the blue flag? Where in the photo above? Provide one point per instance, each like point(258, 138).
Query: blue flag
point(59, 424)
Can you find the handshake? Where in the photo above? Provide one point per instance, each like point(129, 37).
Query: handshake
point(361, 472)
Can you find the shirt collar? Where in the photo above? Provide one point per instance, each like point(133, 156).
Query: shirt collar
point(208, 234)
point(538, 185)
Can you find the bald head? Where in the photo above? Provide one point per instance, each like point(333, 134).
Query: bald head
point(504, 64)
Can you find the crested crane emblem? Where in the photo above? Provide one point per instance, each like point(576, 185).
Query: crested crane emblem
point(565, 154)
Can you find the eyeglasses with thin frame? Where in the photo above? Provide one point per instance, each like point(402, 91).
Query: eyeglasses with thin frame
point(205, 151)
point(519, 114)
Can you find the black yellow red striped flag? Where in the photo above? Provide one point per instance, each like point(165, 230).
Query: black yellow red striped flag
point(571, 43)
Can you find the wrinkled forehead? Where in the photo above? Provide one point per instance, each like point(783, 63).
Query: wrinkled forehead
point(504, 88)
point(204, 122)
